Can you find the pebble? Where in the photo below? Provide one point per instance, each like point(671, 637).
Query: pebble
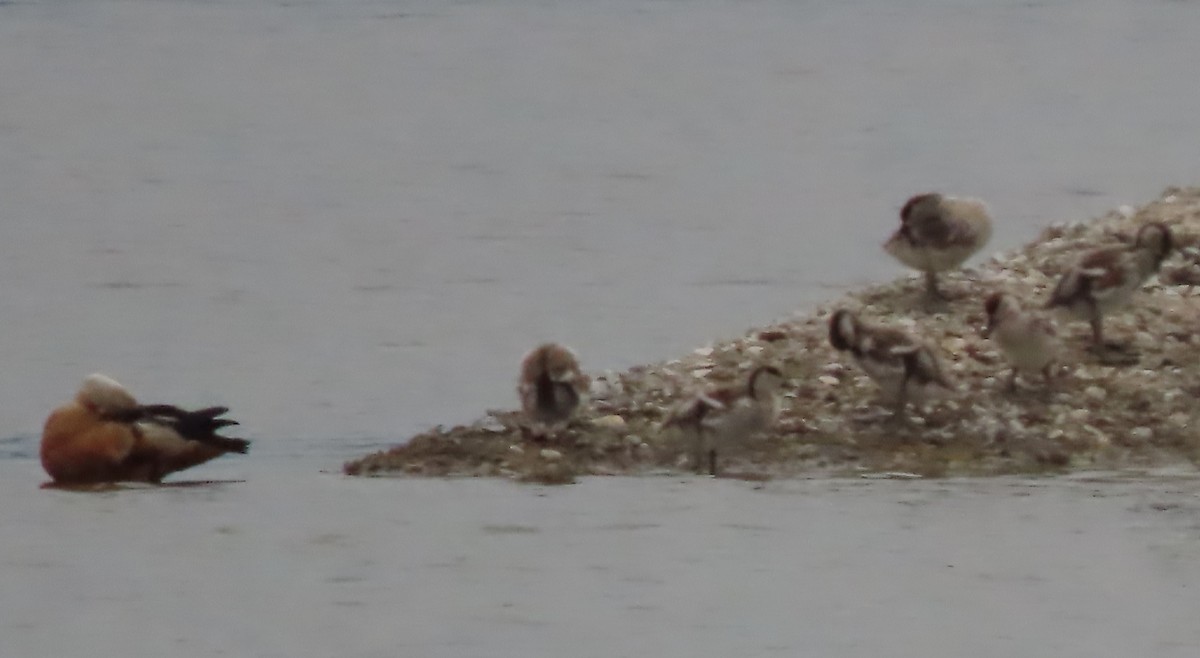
point(611, 421)
point(1141, 434)
point(827, 425)
point(550, 454)
point(1100, 437)
point(602, 388)
point(954, 345)
point(833, 368)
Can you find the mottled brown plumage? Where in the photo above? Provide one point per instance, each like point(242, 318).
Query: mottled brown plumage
point(902, 366)
point(551, 385)
point(939, 233)
point(1105, 279)
point(719, 418)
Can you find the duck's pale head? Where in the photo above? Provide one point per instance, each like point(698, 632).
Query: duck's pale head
point(104, 395)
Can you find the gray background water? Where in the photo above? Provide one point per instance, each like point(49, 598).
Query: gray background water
point(291, 564)
point(348, 220)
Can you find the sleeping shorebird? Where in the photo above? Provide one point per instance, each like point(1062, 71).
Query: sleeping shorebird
point(1105, 279)
point(721, 417)
point(104, 435)
point(552, 387)
point(903, 367)
point(939, 233)
point(1028, 341)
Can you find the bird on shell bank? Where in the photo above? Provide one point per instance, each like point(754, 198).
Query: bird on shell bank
point(720, 418)
point(104, 435)
point(939, 233)
point(551, 388)
point(1029, 341)
point(904, 368)
point(1105, 279)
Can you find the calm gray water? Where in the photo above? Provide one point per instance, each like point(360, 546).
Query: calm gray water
point(348, 219)
point(295, 564)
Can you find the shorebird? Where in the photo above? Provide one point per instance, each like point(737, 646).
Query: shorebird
point(104, 435)
point(1029, 341)
point(902, 366)
point(551, 387)
point(721, 417)
point(1105, 279)
point(939, 233)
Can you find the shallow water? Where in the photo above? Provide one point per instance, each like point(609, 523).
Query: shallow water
point(293, 564)
point(347, 220)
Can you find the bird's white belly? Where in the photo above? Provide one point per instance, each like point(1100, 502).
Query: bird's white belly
point(1026, 351)
point(927, 259)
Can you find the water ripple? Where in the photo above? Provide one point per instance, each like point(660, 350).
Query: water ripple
point(18, 447)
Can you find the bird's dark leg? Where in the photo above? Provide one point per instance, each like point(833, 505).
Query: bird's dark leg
point(1111, 353)
point(1048, 374)
point(1096, 318)
point(712, 462)
point(1097, 321)
point(901, 401)
point(698, 453)
point(931, 285)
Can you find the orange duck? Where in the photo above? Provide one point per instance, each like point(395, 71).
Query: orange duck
point(104, 435)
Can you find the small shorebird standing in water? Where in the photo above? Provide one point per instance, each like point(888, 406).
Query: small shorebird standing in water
point(718, 418)
point(1028, 341)
point(104, 435)
point(939, 233)
point(552, 387)
point(902, 366)
point(1105, 279)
